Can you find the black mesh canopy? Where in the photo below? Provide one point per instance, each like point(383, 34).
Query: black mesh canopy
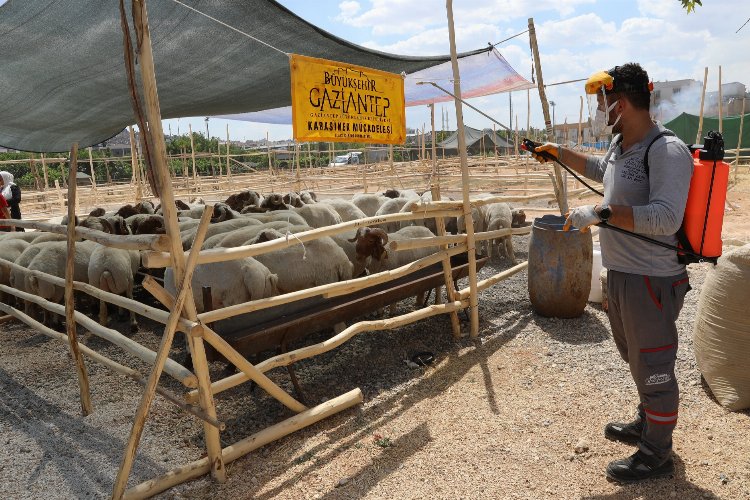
point(62, 72)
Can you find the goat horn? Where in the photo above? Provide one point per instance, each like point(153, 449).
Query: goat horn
point(356, 236)
point(383, 235)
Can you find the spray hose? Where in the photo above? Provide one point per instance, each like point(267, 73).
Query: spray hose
point(530, 146)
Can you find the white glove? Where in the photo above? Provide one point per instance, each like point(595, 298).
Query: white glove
point(582, 218)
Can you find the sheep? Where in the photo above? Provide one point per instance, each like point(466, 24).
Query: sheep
point(232, 282)
point(113, 270)
point(293, 199)
point(27, 236)
point(148, 224)
point(97, 212)
point(240, 200)
point(17, 277)
point(319, 215)
point(188, 235)
point(391, 206)
point(308, 197)
point(126, 211)
point(346, 209)
point(409, 194)
point(51, 259)
point(519, 217)
point(113, 224)
point(368, 203)
point(274, 202)
point(499, 216)
point(391, 193)
point(145, 207)
point(245, 236)
point(10, 250)
point(314, 263)
point(42, 237)
point(371, 251)
point(346, 241)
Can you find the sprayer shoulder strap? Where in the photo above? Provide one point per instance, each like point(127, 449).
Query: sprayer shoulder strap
point(648, 148)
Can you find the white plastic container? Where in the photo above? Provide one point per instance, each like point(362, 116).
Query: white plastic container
point(596, 268)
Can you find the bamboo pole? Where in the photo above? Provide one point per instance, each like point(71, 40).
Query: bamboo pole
point(290, 357)
point(60, 198)
point(739, 142)
point(183, 275)
point(245, 446)
point(470, 242)
point(450, 289)
point(113, 365)
point(560, 190)
point(135, 166)
point(155, 242)
point(192, 152)
point(44, 171)
point(173, 368)
point(330, 289)
point(229, 169)
point(528, 134)
point(70, 324)
point(268, 150)
point(703, 98)
point(486, 283)
point(251, 371)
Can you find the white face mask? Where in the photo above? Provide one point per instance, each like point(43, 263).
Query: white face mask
point(600, 123)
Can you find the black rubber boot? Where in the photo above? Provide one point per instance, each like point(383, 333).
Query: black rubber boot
point(639, 467)
point(626, 433)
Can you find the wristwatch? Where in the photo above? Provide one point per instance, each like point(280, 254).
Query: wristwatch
point(604, 213)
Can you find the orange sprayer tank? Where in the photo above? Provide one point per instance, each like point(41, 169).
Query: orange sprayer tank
point(704, 211)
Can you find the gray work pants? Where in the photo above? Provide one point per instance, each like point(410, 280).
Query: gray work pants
point(643, 311)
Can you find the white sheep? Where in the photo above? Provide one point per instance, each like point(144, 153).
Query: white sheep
point(499, 216)
point(51, 259)
point(232, 282)
point(392, 206)
point(319, 215)
point(313, 263)
point(188, 235)
point(346, 209)
point(238, 237)
point(10, 250)
point(113, 270)
point(369, 203)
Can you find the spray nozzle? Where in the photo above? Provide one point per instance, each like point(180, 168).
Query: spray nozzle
point(713, 147)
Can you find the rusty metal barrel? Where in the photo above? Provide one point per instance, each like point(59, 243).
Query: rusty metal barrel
point(559, 268)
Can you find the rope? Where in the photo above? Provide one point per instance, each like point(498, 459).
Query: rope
point(231, 27)
point(509, 38)
point(289, 233)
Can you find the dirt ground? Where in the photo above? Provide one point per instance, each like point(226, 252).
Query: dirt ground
point(517, 413)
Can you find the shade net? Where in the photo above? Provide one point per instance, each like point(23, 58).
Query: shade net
point(481, 74)
point(62, 71)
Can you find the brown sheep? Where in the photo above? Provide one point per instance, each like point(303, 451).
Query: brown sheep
point(126, 211)
point(274, 202)
point(240, 200)
point(97, 212)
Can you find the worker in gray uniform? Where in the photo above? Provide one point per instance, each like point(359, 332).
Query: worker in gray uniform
point(646, 175)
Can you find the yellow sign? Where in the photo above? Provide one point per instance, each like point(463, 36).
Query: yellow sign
point(339, 102)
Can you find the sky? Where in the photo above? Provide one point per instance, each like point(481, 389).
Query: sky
point(576, 38)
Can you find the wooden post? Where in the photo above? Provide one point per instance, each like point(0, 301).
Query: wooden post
point(703, 98)
point(560, 191)
point(528, 134)
point(60, 196)
point(739, 142)
point(135, 166)
point(106, 169)
point(35, 172)
point(182, 272)
point(296, 156)
point(44, 171)
point(721, 126)
point(70, 323)
point(229, 169)
point(470, 243)
point(192, 153)
point(268, 150)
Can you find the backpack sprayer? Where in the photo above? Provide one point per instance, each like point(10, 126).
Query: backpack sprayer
point(700, 234)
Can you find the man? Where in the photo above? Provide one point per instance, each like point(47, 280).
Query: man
point(646, 283)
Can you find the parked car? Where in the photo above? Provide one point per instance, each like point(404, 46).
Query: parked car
point(347, 159)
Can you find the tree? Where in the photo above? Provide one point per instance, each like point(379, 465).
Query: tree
point(689, 5)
